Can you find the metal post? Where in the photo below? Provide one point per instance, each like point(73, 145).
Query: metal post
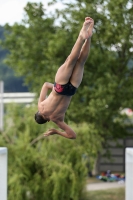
point(1, 105)
point(129, 174)
point(3, 172)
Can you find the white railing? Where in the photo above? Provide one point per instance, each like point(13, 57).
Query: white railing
point(22, 97)
point(5, 98)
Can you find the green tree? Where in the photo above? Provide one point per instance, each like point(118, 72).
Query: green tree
point(107, 84)
point(28, 46)
point(45, 168)
point(38, 46)
point(54, 168)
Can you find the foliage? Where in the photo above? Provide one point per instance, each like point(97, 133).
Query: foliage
point(107, 84)
point(45, 168)
point(38, 46)
point(28, 45)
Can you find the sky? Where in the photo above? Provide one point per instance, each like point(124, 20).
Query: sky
point(12, 11)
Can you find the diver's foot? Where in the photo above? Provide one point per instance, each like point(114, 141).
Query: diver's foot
point(86, 31)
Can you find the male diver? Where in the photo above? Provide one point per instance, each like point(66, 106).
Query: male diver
point(67, 80)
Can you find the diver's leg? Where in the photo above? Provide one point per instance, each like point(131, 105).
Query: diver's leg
point(65, 71)
point(78, 71)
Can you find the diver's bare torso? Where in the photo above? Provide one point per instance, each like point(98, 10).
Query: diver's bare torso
point(54, 106)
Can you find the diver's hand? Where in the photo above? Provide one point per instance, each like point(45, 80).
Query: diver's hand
point(50, 132)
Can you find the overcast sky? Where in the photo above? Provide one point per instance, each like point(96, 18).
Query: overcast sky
point(12, 11)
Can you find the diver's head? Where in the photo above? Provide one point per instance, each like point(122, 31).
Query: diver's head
point(40, 119)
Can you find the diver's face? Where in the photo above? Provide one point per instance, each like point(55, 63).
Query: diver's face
point(46, 118)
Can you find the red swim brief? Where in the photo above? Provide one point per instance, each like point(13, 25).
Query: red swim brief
point(67, 89)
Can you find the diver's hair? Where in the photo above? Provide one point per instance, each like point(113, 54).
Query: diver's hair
point(39, 119)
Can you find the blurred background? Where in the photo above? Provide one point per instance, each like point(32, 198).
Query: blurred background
point(35, 39)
